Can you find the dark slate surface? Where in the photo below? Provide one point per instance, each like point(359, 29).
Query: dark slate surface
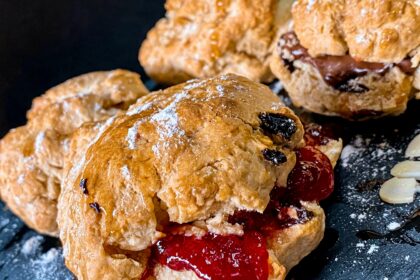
point(45, 42)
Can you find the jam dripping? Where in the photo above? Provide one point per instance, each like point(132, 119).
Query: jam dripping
point(245, 257)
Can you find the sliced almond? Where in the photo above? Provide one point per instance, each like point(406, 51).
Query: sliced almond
point(413, 149)
point(407, 169)
point(398, 190)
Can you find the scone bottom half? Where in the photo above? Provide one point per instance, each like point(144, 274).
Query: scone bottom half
point(348, 59)
point(210, 179)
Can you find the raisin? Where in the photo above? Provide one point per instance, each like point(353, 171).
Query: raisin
point(95, 206)
point(274, 156)
point(83, 186)
point(278, 124)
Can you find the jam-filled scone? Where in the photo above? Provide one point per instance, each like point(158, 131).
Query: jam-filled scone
point(355, 59)
point(210, 179)
point(203, 38)
point(32, 156)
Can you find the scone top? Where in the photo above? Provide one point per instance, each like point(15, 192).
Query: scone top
point(187, 153)
point(375, 31)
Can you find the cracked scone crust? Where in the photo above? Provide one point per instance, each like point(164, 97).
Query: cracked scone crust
point(374, 31)
point(200, 39)
point(32, 156)
point(185, 154)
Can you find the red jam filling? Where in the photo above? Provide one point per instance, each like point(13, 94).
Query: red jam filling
point(279, 214)
point(245, 257)
point(216, 256)
point(317, 135)
point(312, 178)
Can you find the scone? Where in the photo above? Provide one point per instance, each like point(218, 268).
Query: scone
point(32, 156)
point(210, 179)
point(354, 59)
point(203, 38)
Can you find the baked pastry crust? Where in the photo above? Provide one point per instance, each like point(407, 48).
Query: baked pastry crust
point(32, 156)
point(186, 154)
point(200, 39)
point(374, 31)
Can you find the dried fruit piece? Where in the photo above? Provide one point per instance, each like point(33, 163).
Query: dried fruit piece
point(398, 190)
point(83, 186)
point(407, 169)
point(413, 149)
point(278, 124)
point(95, 206)
point(274, 156)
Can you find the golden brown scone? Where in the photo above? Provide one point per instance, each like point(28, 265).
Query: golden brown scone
point(191, 154)
point(32, 156)
point(369, 30)
point(200, 39)
point(354, 59)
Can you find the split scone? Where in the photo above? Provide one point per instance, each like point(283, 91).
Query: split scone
point(203, 38)
point(210, 179)
point(32, 156)
point(354, 59)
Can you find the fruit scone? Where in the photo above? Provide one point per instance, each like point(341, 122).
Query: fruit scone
point(354, 59)
point(210, 179)
point(203, 38)
point(32, 156)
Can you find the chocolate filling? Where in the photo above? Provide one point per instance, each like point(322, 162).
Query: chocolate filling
point(337, 71)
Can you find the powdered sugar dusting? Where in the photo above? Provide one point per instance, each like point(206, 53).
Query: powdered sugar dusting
point(126, 173)
point(131, 137)
point(167, 122)
point(361, 38)
point(373, 248)
point(38, 141)
point(49, 266)
point(32, 245)
point(138, 109)
point(192, 84)
point(21, 179)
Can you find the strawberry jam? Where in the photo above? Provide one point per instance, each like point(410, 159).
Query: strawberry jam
point(216, 256)
point(312, 178)
point(278, 215)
